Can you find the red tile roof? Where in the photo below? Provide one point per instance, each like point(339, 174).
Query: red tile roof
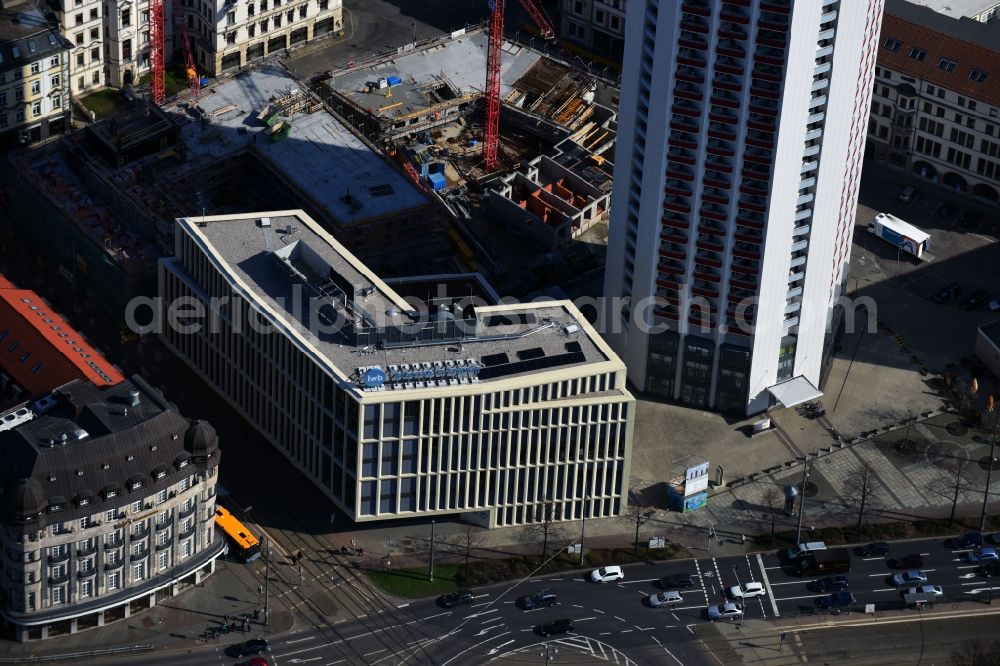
point(39, 350)
point(966, 55)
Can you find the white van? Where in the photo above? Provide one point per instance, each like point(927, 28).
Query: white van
point(803, 549)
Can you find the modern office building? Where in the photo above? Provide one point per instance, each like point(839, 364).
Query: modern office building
point(395, 409)
point(34, 71)
point(108, 506)
point(741, 133)
point(936, 106)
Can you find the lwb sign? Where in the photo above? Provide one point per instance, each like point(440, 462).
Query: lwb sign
point(373, 378)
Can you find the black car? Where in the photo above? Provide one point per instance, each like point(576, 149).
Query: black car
point(248, 648)
point(560, 626)
point(967, 540)
point(455, 598)
point(831, 584)
point(975, 299)
point(912, 561)
point(836, 599)
point(947, 293)
point(879, 548)
point(676, 581)
point(540, 599)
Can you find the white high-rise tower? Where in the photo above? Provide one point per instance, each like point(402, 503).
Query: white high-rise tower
point(741, 133)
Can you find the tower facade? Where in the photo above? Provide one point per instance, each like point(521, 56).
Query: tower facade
point(741, 135)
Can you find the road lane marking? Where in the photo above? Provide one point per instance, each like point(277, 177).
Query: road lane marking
point(305, 661)
point(808, 596)
point(598, 610)
point(645, 580)
point(767, 585)
point(480, 614)
point(431, 617)
point(870, 559)
point(604, 633)
point(619, 619)
point(626, 631)
point(577, 606)
point(368, 654)
point(689, 607)
point(497, 648)
point(300, 640)
point(886, 589)
point(584, 619)
point(791, 582)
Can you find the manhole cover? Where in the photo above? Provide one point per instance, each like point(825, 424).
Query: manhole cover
point(956, 428)
point(811, 489)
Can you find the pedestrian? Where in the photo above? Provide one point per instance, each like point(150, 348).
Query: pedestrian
point(743, 538)
point(353, 544)
point(225, 618)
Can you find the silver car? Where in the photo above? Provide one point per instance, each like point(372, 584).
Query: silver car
point(725, 611)
point(668, 598)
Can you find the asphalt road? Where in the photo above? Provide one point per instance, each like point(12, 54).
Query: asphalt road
point(612, 622)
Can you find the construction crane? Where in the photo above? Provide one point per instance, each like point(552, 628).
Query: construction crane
point(491, 136)
point(194, 82)
point(157, 63)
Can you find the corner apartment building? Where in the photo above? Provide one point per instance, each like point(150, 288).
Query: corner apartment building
point(596, 25)
point(34, 70)
point(108, 499)
point(395, 410)
point(82, 24)
point(227, 34)
point(936, 103)
point(740, 140)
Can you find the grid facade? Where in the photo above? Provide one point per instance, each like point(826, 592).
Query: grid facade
point(495, 451)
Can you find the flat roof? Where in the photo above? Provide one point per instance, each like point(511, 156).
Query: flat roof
point(506, 335)
point(457, 66)
point(903, 227)
point(321, 156)
point(957, 8)
point(992, 332)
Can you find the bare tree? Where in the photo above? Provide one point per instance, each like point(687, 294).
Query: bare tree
point(951, 488)
point(861, 491)
point(976, 652)
point(545, 526)
point(467, 542)
point(773, 501)
point(635, 515)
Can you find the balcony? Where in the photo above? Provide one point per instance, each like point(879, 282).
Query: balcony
point(667, 314)
point(691, 61)
point(89, 550)
point(186, 533)
point(761, 123)
point(87, 573)
point(746, 253)
point(747, 237)
point(770, 58)
point(695, 26)
point(58, 580)
point(732, 50)
point(730, 66)
point(718, 116)
point(744, 282)
point(693, 43)
point(706, 290)
point(732, 32)
point(62, 557)
point(795, 276)
point(716, 198)
point(690, 76)
point(757, 206)
point(719, 148)
point(776, 41)
point(763, 108)
point(747, 187)
point(672, 236)
point(773, 24)
point(734, 85)
point(760, 143)
point(761, 90)
point(777, 7)
point(111, 545)
point(683, 125)
point(695, 8)
point(733, 16)
point(709, 244)
point(674, 253)
point(766, 75)
point(758, 157)
point(718, 165)
point(677, 206)
point(709, 259)
point(715, 180)
point(688, 111)
point(707, 275)
point(746, 268)
point(749, 222)
point(721, 133)
point(682, 140)
point(726, 100)
point(719, 215)
point(141, 555)
point(674, 190)
point(669, 281)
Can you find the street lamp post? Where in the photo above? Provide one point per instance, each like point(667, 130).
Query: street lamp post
point(990, 407)
point(267, 581)
point(549, 654)
point(583, 530)
point(431, 578)
point(802, 502)
point(246, 512)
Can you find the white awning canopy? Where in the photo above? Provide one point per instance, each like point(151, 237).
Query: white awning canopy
point(794, 391)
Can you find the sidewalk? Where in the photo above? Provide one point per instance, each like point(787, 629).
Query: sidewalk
point(177, 623)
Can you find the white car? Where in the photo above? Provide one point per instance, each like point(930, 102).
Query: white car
point(748, 591)
point(668, 598)
point(723, 611)
point(607, 574)
point(927, 589)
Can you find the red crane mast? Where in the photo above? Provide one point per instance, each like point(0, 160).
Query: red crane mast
point(491, 134)
point(157, 63)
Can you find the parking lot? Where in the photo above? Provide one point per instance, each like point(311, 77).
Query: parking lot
point(962, 250)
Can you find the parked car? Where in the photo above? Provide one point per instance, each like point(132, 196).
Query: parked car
point(836, 599)
point(675, 581)
point(607, 574)
point(560, 626)
point(253, 646)
point(934, 590)
point(668, 598)
point(967, 540)
point(984, 554)
point(911, 561)
point(909, 577)
point(540, 599)
point(908, 194)
point(831, 584)
point(873, 549)
point(947, 293)
point(750, 590)
point(975, 299)
point(724, 611)
point(453, 599)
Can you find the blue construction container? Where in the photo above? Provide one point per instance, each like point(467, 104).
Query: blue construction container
point(437, 181)
point(393, 80)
